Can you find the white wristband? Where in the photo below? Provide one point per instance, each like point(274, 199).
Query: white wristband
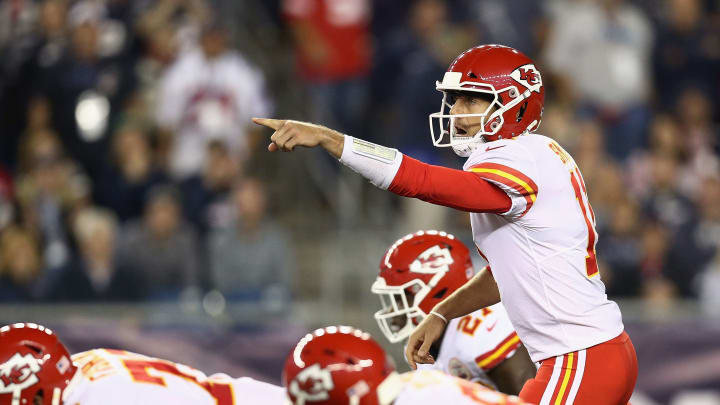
point(376, 163)
point(439, 316)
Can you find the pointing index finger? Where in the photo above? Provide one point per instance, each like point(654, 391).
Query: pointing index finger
point(269, 122)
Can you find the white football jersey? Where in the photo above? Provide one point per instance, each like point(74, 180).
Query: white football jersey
point(475, 344)
point(432, 387)
point(542, 251)
point(109, 377)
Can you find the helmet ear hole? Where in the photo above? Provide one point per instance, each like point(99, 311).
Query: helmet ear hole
point(521, 112)
point(440, 293)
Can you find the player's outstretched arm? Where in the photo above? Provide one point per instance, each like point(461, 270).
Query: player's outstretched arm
point(480, 292)
point(389, 169)
point(290, 134)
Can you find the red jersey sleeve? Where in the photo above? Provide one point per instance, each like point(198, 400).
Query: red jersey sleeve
point(463, 190)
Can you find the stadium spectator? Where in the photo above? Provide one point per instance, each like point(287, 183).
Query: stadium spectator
point(621, 251)
point(657, 288)
point(707, 284)
point(686, 50)
point(49, 191)
point(205, 196)
point(208, 94)
point(332, 41)
point(516, 23)
point(20, 266)
point(25, 51)
point(701, 136)
point(694, 245)
point(125, 184)
point(664, 140)
point(95, 274)
point(664, 202)
point(161, 248)
point(252, 259)
point(602, 49)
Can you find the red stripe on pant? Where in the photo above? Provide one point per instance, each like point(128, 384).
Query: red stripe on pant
point(608, 377)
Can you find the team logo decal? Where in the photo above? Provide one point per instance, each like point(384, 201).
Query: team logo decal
point(312, 384)
point(528, 76)
point(434, 260)
point(18, 373)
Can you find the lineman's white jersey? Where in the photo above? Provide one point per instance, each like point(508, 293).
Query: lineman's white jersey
point(475, 344)
point(542, 251)
point(432, 387)
point(109, 377)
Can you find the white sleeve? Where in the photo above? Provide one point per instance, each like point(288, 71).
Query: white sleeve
point(376, 163)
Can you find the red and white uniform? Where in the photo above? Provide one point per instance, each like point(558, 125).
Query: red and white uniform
point(107, 377)
point(541, 247)
point(430, 387)
point(475, 344)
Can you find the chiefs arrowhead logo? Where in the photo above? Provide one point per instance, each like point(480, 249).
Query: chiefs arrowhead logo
point(528, 76)
point(18, 373)
point(434, 260)
point(312, 384)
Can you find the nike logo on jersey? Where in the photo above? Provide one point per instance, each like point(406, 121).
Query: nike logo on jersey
point(490, 328)
point(489, 148)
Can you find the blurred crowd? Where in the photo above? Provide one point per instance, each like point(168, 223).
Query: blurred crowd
point(129, 169)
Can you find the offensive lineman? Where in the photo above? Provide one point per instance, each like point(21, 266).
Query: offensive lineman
point(341, 365)
point(420, 270)
point(530, 216)
point(37, 369)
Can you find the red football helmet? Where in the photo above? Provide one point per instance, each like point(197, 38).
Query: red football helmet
point(32, 361)
point(509, 78)
point(336, 365)
point(416, 273)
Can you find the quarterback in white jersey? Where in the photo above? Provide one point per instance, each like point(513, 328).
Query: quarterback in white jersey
point(341, 365)
point(36, 368)
point(416, 273)
point(531, 219)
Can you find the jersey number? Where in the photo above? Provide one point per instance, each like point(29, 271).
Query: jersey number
point(469, 324)
point(138, 369)
point(578, 185)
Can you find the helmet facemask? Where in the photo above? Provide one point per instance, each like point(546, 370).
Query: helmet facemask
point(442, 124)
point(396, 303)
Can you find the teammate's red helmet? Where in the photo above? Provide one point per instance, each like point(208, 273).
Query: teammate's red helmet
point(32, 361)
point(336, 365)
point(416, 273)
point(509, 78)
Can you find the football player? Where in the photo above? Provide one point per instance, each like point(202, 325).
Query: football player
point(37, 369)
point(530, 216)
point(420, 270)
point(341, 365)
